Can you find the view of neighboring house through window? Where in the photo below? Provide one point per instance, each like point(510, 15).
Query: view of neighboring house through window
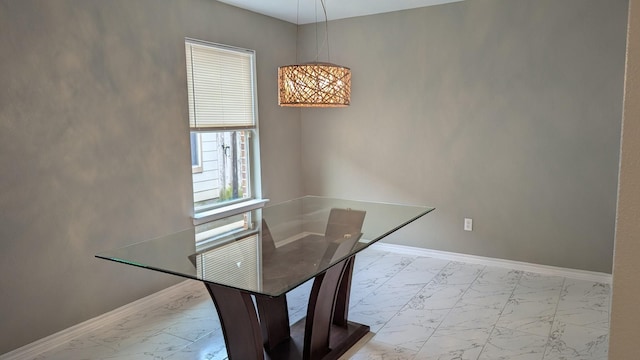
point(222, 118)
point(196, 152)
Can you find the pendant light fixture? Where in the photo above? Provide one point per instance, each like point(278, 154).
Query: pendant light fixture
point(315, 84)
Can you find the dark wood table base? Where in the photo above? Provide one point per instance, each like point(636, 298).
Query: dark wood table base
point(341, 340)
point(325, 333)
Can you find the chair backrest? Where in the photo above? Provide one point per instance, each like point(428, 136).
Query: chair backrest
point(341, 235)
point(344, 222)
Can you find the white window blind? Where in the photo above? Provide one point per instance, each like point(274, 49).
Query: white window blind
point(235, 263)
point(220, 87)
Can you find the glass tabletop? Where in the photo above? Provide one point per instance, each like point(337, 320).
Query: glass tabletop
point(272, 250)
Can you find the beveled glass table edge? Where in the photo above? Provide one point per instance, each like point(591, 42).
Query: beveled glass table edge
point(283, 290)
point(320, 197)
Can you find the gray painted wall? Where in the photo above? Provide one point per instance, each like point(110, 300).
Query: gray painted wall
point(507, 112)
point(94, 145)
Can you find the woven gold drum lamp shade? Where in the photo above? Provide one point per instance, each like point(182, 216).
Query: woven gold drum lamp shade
point(314, 85)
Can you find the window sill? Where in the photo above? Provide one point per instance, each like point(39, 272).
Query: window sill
point(226, 211)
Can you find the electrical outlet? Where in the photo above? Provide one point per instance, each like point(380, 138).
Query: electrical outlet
point(468, 224)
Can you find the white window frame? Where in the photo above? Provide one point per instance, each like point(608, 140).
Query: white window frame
point(254, 175)
point(196, 168)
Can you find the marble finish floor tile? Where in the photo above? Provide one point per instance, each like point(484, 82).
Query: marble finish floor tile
point(470, 317)
point(533, 284)
point(417, 307)
point(437, 296)
point(411, 328)
point(375, 350)
point(368, 278)
point(159, 345)
point(513, 345)
point(297, 300)
point(569, 342)
point(420, 271)
point(454, 345)
point(79, 349)
point(493, 297)
point(584, 303)
point(457, 273)
point(388, 297)
point(534, 317)
point(210, 347)
point(369, 256)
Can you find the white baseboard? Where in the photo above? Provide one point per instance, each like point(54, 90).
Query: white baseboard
point(38, 347)
point(487, 261)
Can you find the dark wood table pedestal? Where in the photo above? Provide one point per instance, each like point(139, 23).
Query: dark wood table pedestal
point(325, 333)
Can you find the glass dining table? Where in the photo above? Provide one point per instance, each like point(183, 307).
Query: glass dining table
point(249, 261)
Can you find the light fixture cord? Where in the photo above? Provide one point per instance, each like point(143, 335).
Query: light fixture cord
point(326, 29)
point(297, 30)
point(326, 32)
point(315, 8)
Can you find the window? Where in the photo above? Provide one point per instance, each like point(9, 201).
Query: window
point(225, 156)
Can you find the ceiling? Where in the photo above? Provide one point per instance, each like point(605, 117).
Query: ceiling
point(310, 10)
